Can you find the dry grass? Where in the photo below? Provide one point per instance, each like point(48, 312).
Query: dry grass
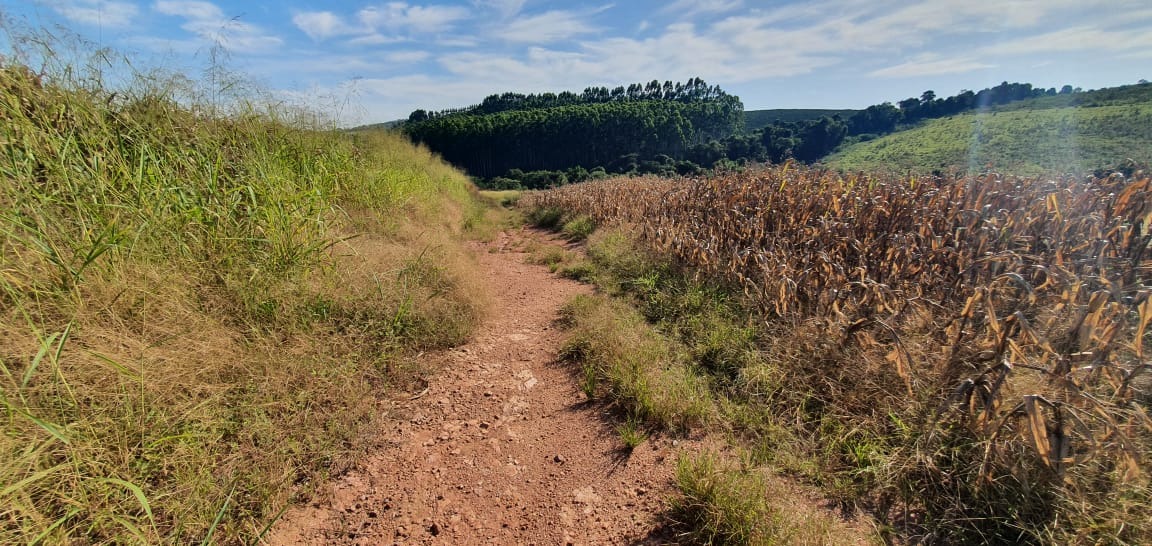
point(726, 503)
point(201, 303)
point(650, 378)
point(963, 357)
point(491, 213)
point(632, 365)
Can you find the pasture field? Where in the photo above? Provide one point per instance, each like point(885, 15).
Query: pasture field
point(964, 359)
point(1013, 139)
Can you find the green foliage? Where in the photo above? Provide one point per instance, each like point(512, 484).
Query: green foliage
point(578, 228)
point(566, 263)
point(703, 318)
point(578, 271)
point(723, 503)
point(631, 434)
point(545, 218)
point(755, 120)
point(692, 91)
point(1124, 95)
point(195, 313)
point(633, 365)
point(629, 164)
point(519, 141)
point(1022, 141)
point(551, 256)
point(809, 137)
point(536, 133)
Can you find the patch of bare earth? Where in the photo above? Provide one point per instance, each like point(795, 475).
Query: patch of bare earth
point(502, 446)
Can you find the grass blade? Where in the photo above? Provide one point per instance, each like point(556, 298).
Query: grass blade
point(219, 517)
point(136, 492)
point(45, 345)
point(30, 479)
point(44, 534)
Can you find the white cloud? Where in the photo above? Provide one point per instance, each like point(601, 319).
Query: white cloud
point(506, 8)
point(732, 42)
point(234, 35)
point(901, 19)
point(384, 24)
point(1146, 54)
point(391, 98)
point(376, 39)
point(406, 57)
point(400, 16)
point(191, 9)
point(930, 65)
point(320, 25)
point(207, 22)
point(165, 45)
point(1081, 38)
point(109, 13)
point(458, 41)
point(679, 52)
point(319, 62)
point(693, 8)
point(846, 26)
point(546, 27)
point(757, 45)
point(316, 62)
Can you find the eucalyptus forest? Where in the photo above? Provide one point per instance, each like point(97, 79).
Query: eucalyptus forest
point(515, 140)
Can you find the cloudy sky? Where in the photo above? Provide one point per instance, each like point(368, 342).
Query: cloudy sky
point(381, 60)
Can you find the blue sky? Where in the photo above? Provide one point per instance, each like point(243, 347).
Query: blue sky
point(380, 60)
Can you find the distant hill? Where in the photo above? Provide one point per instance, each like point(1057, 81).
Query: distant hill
point(386, 125)
point(758, 119)
point(1073, 133)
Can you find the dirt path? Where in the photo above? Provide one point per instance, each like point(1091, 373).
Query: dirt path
point(502, 447)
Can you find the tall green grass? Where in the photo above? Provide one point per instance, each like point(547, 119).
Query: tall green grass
point(202, 293)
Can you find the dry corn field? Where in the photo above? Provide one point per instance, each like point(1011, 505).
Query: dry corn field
point(1014, 310)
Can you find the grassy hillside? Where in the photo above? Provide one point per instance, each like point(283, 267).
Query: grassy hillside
point(1140, 93)
point(1032, 137)
point(758, 119)
point(378, 126)
point(198, 310)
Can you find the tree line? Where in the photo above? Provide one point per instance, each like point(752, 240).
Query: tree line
point(812, 140)
point(537, 140)
point(566, 130)
point(694, 90)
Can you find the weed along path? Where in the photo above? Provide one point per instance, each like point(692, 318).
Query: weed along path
point(502, 446)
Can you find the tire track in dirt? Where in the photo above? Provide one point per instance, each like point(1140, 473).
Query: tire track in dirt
point(502, 447)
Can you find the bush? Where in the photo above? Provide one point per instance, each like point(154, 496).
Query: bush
point(578, 228)
point(546, 218)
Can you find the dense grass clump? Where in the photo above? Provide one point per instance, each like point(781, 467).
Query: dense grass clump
point(724, 503)
point(634, 366)
point(200, 301)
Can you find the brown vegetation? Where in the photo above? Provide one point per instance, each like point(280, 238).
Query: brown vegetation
point(966, 358)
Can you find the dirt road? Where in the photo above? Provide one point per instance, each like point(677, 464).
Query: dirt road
point(502, 447)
